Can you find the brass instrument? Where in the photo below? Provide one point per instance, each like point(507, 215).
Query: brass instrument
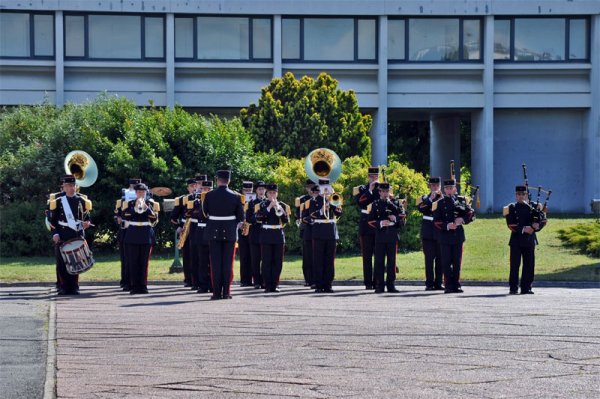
point(184, 233)
point(278, 209)
point(140, 205)
point(324, 163)
point(81, 165)
point(245, 228)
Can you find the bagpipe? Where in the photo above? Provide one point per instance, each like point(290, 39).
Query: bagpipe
point(538, 209)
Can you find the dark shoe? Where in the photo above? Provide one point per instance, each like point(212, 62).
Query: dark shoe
point(328, 290)
point(307, 284)
point(439, 287)
point(368, 287)
point(214, 297)
point(513, 292)
point(313, 286)
point(458, 290)
point(318, 290)
point(392, 290)
point(143, 291)
point(379, 290)
point(194, 288)
point(275, 290)
point(126, 288)
point(202, 290)
point(133, 292)
point(527, 292)
point(266, 290)
point(429, 288)
point(257, 286)
point(186, 284)
point(448, 290)
point(227, 297)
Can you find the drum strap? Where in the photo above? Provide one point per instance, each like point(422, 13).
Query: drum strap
point(68, 213)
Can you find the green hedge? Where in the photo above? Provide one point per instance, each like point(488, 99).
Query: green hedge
point(584, 237)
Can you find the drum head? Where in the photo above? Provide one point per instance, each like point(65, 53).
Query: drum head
point(72, 244)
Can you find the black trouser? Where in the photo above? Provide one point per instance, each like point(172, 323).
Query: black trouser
point(307, 261)
point(385, 250)
point(451, 260)
point(323, 262)
point(255, 256)
point(124, 266)
point(66, 282)
point(187, 261)
point(272, 263)
point(200, 276)
point(433, 275)
point(367, 250)
point(222, 254)
point(138, 256)
point(245, 260)
point(528, 255)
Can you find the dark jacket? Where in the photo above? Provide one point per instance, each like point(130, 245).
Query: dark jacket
point(223, 203)
point(519, 215)
point(254, 220)
point(144, 234)
point(270, 235)
point(445, 211)
point(300, 201)
point(313, 212)
point(364, 198)
point(80, 207)
point(424, 204)
point(198, 222)
point(380, 210)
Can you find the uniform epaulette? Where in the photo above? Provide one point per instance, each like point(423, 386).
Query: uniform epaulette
point(435, 205)
point(184, 200)
point(88, 204)
point(82, 195)
point(118, 204)
point(52, 205)
point(506, 210)
point(155, 206)
point(125, 205)
point(297, 202)
point(301, 208)
point(355, 191)
point(369, 207)
point(288, 209)
point(242, 199)
point(419, 200)
point(307, 204)
point(256, 208)
point(245, 207)
point(190, 205)
point(52, 196)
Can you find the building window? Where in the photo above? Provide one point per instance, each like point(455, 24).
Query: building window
point(114, 37)
point(541, 39)
point(209, 38)
point(434, 40)
point(329, 39)
point(26, 35)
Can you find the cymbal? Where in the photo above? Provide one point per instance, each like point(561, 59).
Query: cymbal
point(161, 191)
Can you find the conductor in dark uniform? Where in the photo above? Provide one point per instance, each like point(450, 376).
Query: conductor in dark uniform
point(386, 218)
point(274, 215)
point(225, 211)
point(431, 248)
point(524, 219)
point(450, 213)
point(255, 230)
point(305, 234)
point(140, 216)
point(365, 195)
point(69, 216)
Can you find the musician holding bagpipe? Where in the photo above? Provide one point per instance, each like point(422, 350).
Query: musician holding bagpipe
point(524, 218)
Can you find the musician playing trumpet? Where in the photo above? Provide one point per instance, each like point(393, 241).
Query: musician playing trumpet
point(69, 216)
point(140, 215)
point(274, 215)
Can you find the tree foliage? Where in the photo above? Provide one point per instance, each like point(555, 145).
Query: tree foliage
point(296, 116)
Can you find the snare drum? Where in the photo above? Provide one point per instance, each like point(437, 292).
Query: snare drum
point(77, 256)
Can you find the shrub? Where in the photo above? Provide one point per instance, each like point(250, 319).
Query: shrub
point(584, 237)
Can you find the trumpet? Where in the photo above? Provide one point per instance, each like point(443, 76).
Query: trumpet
point(278, 208)
point(140, 205)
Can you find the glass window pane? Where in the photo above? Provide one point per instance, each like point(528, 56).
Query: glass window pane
point(261, 38)
point(501, 39)
point(471, 40)
point(14, 35)
point(115, 36)
point(74, 36)
point(184, 37)
point(396, 39)
point(539, 39)
point(578, 39)
point(223, 38)
point(366, 39)
point(154, 38)
point(329, 39)
point(433, 39)
point(290, 40)
point(43, 42)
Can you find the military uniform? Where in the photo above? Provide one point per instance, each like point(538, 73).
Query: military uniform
point(386, 240)
point(244, 241)
point(199, 244)
point(364, 198)
point(305, 235)
point(325, 236)
point(520, 215)
point(445, 212)
point(139, 239)
point(431, 248)
point(80, 207)
point(118, 214)
point(254, 238)
point(178, 218)
point(272, 240)
point(225, 210)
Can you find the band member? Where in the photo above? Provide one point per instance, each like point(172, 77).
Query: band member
point(48, 214)
point(225, 211)
point(244, 239)
point(124, 283)
point(140, 215)
point(431, 248)
point(386, 217)
point(274, 216)
point(199, 243)
point(450, 213)
point(69, 217)
point(365, 195)
point(323, 214)
point(524, 219)
point(255, 230)
point(305, 234)
point(307, 238)
point(178, 218)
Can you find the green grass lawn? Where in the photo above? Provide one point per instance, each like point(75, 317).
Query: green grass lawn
point(485, 259)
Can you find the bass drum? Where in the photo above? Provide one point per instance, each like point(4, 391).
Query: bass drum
point(77, 256)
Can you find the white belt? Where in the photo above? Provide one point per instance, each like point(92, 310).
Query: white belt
point(65, 224)
point(138, 223)
point(272, 226)
point(194, 220)
point(364, 211)
point(183, 220)
point(325, 220)
point(201, 224)
point(428, 218)
point(221, 217)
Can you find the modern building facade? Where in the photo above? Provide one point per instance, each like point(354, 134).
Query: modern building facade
point(526, 72)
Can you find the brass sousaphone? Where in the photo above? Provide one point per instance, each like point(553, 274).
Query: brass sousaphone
point(324, 163)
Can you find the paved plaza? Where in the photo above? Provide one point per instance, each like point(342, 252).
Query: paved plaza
point(173, 343)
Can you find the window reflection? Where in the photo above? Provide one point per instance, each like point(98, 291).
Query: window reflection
point(433, 39)
point(223, 38)
point(501, 39)
point(329, 39)
point(578, 44)
point(471, 39)
point(539, 39)
point(290, 39)
point(74, 36)
point(114, 36)
point(184, 37)
point(396, 39)
point(43, 42)
point(14, 35)
point(261, 38)
point(154, 38)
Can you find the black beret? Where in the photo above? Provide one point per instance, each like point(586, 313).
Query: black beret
point(315, 189)
point(309, 182)
point(191, 181)
point(140, 187)
point(373, 170)
point(207, 183)
point(224, 174)
point(384, 186)
point(520, 189)
point(134, 180)
point(200, 178)
point(68, 179)
point(247, 184)
point(434, 180)
point(323, 181)
point(272, 187)
point(260, 183)
point(450, 182)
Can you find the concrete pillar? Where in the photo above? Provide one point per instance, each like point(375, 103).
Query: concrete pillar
point(379, 130)
point(482, 127)
point(444, 145)
point(277, 68)
point(59, 57)
point(170, 60)
point(591, 162)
